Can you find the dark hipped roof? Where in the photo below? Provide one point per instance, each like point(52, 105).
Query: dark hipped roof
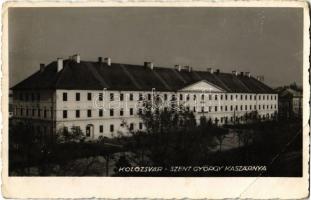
point(96, 76)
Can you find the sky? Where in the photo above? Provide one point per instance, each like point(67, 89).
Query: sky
point(263, 41)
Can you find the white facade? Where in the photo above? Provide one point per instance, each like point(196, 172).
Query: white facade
point(66, 108)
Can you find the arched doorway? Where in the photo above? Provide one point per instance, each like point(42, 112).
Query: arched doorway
point(89, 132)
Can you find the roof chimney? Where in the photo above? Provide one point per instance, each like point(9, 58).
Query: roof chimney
point(42, 66)
point(75, 57)
point(108, 61)
point(210, 70)
point(59, 64)
point(260, 78)
point(178, 67)
point(149, 65)
point(100, 59)
point(248, 74)
point(188, 68)
point(235, 73)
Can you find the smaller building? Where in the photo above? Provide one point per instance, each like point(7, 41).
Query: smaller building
point(290, 103)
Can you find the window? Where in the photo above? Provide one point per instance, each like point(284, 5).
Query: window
point(180, 97)
point(250, 107)
point(39, 112)
point(202, 96)
point(131, 111)
point(275, 106)
point(231, 108)
point(64, 96)
point(44, 113)
point(111, 128)
point(27, 112)
point(226, 97)
point(241, 107)
point(245, 107)
point(131, 97)
point(250, 97)
point(149, 97)
point(275, 97)
point(220, 108)
point(89, 113)
point(210, 109)
point(221, 96)
point(100, 112)
point(100, 96)
point(121, 112)
point(89, 96)
point(33, 112)
point(215, 108)
point(121, 97)
point(259, 97)
point(140, 125)
point(202, 109)
point(267, 97)
point(236, 97)
point(140, 111)
point(259, 107)
point(241, 97)
point(215, 96)
point(131, 126)
point(77, 96)
point(194, 97)
point(263, 106)
point(254, 107)
point(236, 108)
point(165, 97)
point(64, 114)
point(194, 109)
point(188, 97)
point(101, 128)
point(22, 111)
point(77, 113)
point(210, 97)
point(263, 97)
point(140, 97)
point(255, 97)
point(111, 112)
point(111, 97)
point(231, 97)
point(226, 108)
point(246, 97)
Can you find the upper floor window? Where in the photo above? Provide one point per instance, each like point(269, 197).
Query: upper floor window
point(121, 112)
point(121, 97)
point(100, 96)
point(89, 96)
point(149, 97)
point(101, 128)
point(263, 97)
point(210, 97)
point(194, 97)
point(77, 96)
point(64, 114)
point(165, 97)
point(111, 112)
point(140, 125)
point(89, 113)
point(64, 96)
point(111, 97)
point(131, 97)
point(246, 97)
point(250, 97)
point(100, 112)
point(226, 97)
point(188, 97)
point(140, 96)
point(241, 97)
point(44, 113)
point(202, 97)
point(111, 128)
point(221, 97)
point(231, 97)
point(77, 113)
point(131, 126)
point(255, 97)
point(215, 96)
point(33, 112)
point(245, 107)
point(131, 111)
point(215, 108)
point(180, 97)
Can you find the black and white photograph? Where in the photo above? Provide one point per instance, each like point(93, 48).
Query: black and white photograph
point(155, 92)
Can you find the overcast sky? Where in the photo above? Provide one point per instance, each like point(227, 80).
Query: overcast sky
point(264, 41)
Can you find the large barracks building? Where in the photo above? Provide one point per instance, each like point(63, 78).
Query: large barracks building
point(104, 98)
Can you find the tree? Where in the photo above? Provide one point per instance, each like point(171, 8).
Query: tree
point(75, 135)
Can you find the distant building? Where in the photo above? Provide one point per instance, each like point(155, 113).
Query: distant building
point(64, 93)
point(290, 103)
